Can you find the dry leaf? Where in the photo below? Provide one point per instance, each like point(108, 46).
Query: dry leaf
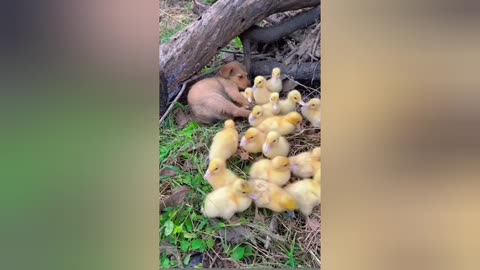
point(188, 165)
point(234, 235)
point(313, 224)
point(167, 172)
point(178, 196)
point(181, 119)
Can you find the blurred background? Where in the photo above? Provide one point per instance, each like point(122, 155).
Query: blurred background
point(79, 135)
point(400, 136)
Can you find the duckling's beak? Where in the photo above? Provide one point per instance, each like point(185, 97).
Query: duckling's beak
point(275, 107)
point(254, 196)
point(249, 100)
point(266, 148)
point(299, 125)
point(302, 103)
point(293, 168)
point(207, 175)
point(254, 88)
point(243, 141)
point(251, 118)
point(291, 214)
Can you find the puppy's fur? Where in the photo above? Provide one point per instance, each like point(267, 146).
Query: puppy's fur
point(213, 99)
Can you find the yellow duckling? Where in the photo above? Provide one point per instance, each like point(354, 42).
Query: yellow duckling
point(261, 95)
point(271, 108)
point(311, 111)
point(275, 145)
point(218, 175)
point(274, 84)
point(268, 195)
point(248, 94)
point(290, 103)
point(283, 124)
point(225, 142)
point(228, 200)
point(253, 140)
point(307, 194)
point(276, 170)
point(305, 164)
point(256, 116)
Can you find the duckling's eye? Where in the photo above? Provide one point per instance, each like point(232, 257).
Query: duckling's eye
point(216, 169)
point(274, 141)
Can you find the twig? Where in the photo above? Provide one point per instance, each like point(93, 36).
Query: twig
point(170, 108)
point(318, 63)
point(228, 51)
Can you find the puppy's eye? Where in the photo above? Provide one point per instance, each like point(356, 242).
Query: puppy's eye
point(241, 76)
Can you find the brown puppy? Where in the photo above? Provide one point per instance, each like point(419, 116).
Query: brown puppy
point(212, 99)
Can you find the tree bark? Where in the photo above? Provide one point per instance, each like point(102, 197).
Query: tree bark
point(163, 95)
point(192, 49)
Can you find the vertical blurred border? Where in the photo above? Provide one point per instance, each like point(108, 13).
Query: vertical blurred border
point(79, 135)
point(401, 124)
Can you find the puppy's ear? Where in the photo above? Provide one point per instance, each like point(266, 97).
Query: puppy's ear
point(226, 71)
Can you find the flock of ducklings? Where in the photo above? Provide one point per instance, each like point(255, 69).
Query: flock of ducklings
point(268, 184)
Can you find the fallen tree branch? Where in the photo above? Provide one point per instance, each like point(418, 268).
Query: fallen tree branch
point(192, 49)
point(275, 32)
point(303, 72)
point(302, 50)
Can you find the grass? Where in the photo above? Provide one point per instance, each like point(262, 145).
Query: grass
point(185, 232)
point(174, 17)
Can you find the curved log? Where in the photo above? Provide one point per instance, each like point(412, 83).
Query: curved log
point(301, 72)
point(275, 32)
